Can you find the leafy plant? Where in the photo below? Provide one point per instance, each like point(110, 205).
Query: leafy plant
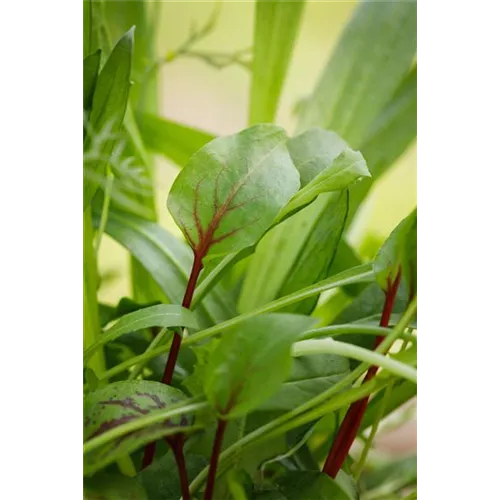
point(223, 372)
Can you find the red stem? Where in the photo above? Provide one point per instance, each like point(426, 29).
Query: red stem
point(149, 451)
point(214, 459)
point(177, 445)
point(354, 416)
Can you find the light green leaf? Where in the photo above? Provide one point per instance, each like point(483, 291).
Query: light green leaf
point(113, 487)
point(231, 190)
point(251, 361)
point(312, 485)
point(108, 109)
point(169, 262)
point(275, 30)
point(175, 141)
point(164, 315)
point(123, 402)
point(310, 376)
point(90, 72)
point(370, 61)
point(325, 164)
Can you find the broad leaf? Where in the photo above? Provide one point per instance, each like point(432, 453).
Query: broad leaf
point(325, 164)
point(370, 61)
point(231, 190)
point(169, 262)
point(90, 72)
point(108, 109)
point(164, 315)
point(312, 485)
point(275, 30)
point(398, 254)
point(345, 258)
point(113, 487)
point(251, 361)
point(120, 403)
point(310, 376)
point(176, 141)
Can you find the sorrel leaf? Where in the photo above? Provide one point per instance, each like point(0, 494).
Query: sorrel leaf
point(113, 487)
point(251, 361)
point(122, 402)
point(90, 72)
point(165, 315)
point(231, 190)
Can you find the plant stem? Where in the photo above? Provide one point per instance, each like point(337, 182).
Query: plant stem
point(177, 445)
point(214, 459)
point(352, 420)
point(149, 451)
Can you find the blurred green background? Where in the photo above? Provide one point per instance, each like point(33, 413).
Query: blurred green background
point(192, 92)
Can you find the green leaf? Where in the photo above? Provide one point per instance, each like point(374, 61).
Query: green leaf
point(108, 109)
point(398, 253)
point(113, 487)
point(374, 54)
point(164, 315)
point(169, 262)
point(122, 402)
point(388, 136)
point(231, 190)
point(251, 361)
point(306, 244)
point(161, 482)
point(90, 72)
point(175, 141)
point(312, 485)
point(394, 475)
point(345, 258)
point(275, 30)
point(325, 164)
point(310, 376)
point(314, 258)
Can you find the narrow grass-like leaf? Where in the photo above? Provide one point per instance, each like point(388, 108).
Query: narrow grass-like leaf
point(164, 315)
point(239, 375)
point(173, 140)
point(275, 30)
point(231, 190)
point(122, 402)
point(370, 61)
point(169, 261)
point(108, 109)
point(90, 72)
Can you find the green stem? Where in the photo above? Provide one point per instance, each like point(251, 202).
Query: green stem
point(105, 209)
point(330, 346)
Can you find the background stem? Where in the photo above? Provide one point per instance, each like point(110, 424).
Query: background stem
point(214, 459)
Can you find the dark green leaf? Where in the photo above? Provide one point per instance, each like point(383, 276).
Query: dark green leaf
point(90, 72)
point(161, 482)
point(306, 245)
point(275, 30)
point(310, 376)
point(398, 253)
point(164, 315)
point(251, 361)
point(108, 109)
point(122, 402)
point(169, 262)
point(345, 258)
point(113, 487)
point(232, 189)
point(175, 141)
point(312, 485)
point(370, 61)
